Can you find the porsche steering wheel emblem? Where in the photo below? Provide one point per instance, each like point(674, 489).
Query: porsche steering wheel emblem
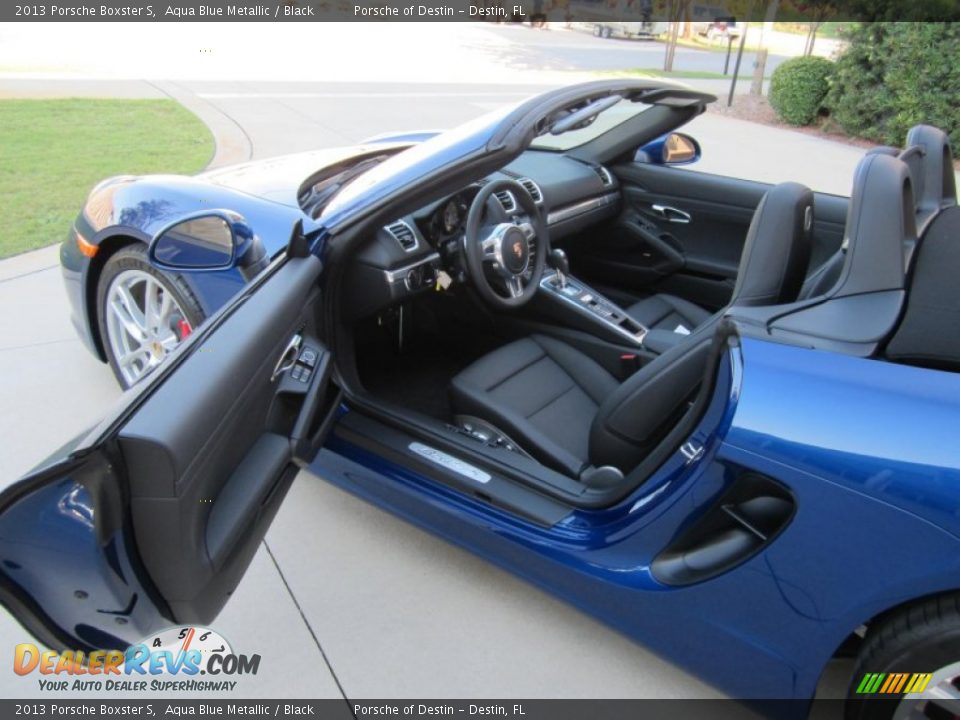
point(518, 249)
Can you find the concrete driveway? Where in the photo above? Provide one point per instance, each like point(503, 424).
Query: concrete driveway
point(344, 600)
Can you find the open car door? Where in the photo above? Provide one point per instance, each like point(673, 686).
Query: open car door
point(154, 517)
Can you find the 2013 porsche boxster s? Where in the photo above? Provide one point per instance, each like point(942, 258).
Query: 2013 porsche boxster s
point(715, 414)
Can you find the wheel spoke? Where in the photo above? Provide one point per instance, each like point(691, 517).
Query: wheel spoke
point(125, 310)
point(169, 341)
point(151, 303)
point(491, 235)
point(131, 305)
point(515, 286)
point(166, 309)
point(132, 356)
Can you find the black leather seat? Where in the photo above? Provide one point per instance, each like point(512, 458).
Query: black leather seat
point(929, 164)
point(668, 312)
point(570, 413)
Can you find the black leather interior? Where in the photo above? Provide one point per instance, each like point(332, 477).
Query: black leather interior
point(929, 162)
point(564, 409)
point(768, 273)
point(860, 310)
point(668, 313)
point(934, 182)
point(778, 247)
point(929, 333)
point(208, 453)
point(540, 391)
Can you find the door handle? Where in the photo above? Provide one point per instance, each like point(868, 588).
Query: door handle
point(671, 214)
point(287, 358)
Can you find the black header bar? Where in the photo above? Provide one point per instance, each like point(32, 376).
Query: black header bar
point(650, 16)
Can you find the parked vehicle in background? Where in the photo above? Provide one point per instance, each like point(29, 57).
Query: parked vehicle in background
point(630, 30)
point(719, 29)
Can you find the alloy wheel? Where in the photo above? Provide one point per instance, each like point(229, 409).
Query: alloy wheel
point(144, 323)
point(940, 698)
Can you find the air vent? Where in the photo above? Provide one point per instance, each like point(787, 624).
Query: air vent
point(404, 235)
point(605, 177)
point(532, 188)
point(507, 201)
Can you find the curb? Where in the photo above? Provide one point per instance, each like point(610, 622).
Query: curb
point(232, 144)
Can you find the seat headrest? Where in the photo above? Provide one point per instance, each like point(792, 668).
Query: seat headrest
point(777, 248)
point(931, 164)
point(880, 224)
point(883, 150)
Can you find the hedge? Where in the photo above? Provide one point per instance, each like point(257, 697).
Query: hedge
point(894, 76)
point(798, 88)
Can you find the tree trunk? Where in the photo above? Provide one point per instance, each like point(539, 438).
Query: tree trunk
point(671, 47)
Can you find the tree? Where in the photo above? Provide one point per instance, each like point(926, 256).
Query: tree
point(675, 12)
point(818, 11)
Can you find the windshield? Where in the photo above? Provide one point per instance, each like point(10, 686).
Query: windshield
point(413, 163)
point(606, 120)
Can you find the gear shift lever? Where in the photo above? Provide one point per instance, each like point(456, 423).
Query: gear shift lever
point(560, 263)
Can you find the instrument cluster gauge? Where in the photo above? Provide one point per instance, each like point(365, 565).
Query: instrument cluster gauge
point(450, 217)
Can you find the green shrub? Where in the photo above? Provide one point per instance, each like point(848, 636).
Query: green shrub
point(798, 87)
point(894, 76)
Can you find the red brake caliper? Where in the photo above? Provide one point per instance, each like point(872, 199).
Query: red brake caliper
point(184, 327)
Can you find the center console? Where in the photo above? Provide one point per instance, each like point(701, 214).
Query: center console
point(597, 313)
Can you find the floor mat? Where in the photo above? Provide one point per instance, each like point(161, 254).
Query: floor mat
point(418, 377)
point(416, 381)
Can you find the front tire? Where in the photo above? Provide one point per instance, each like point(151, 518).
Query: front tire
point(922, 638)
point(143, 314)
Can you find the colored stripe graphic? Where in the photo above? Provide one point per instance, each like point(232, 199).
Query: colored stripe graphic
point(862, 687)
point(893, 683)
point(920, 682)
point(875, 685)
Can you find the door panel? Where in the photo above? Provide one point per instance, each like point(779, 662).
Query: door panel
point(682, 233)
point(178, 495)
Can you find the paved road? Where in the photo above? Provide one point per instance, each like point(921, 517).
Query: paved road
point(344, 599)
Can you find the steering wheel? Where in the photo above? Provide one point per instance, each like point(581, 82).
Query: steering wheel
point(505, 258)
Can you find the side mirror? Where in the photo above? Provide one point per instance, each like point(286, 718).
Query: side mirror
point(209, 241)
point(671, 149)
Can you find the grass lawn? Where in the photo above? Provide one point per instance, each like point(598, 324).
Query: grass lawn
point(703, 44)
point(52, 152)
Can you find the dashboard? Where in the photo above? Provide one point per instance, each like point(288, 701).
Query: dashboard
point(407, 256)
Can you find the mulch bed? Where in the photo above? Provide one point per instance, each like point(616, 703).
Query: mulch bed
point(755, 108)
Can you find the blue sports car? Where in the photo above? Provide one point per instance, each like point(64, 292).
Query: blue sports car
point(718, 415)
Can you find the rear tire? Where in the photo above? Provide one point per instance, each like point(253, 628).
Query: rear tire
point(139, 341)
point(921, 638)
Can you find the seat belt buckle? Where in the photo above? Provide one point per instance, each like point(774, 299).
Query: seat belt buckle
point(629, 364)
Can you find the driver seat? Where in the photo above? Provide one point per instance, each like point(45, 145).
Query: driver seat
point(571, 414)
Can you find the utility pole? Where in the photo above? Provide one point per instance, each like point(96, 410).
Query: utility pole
point(736, 66)
point(671, 46)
